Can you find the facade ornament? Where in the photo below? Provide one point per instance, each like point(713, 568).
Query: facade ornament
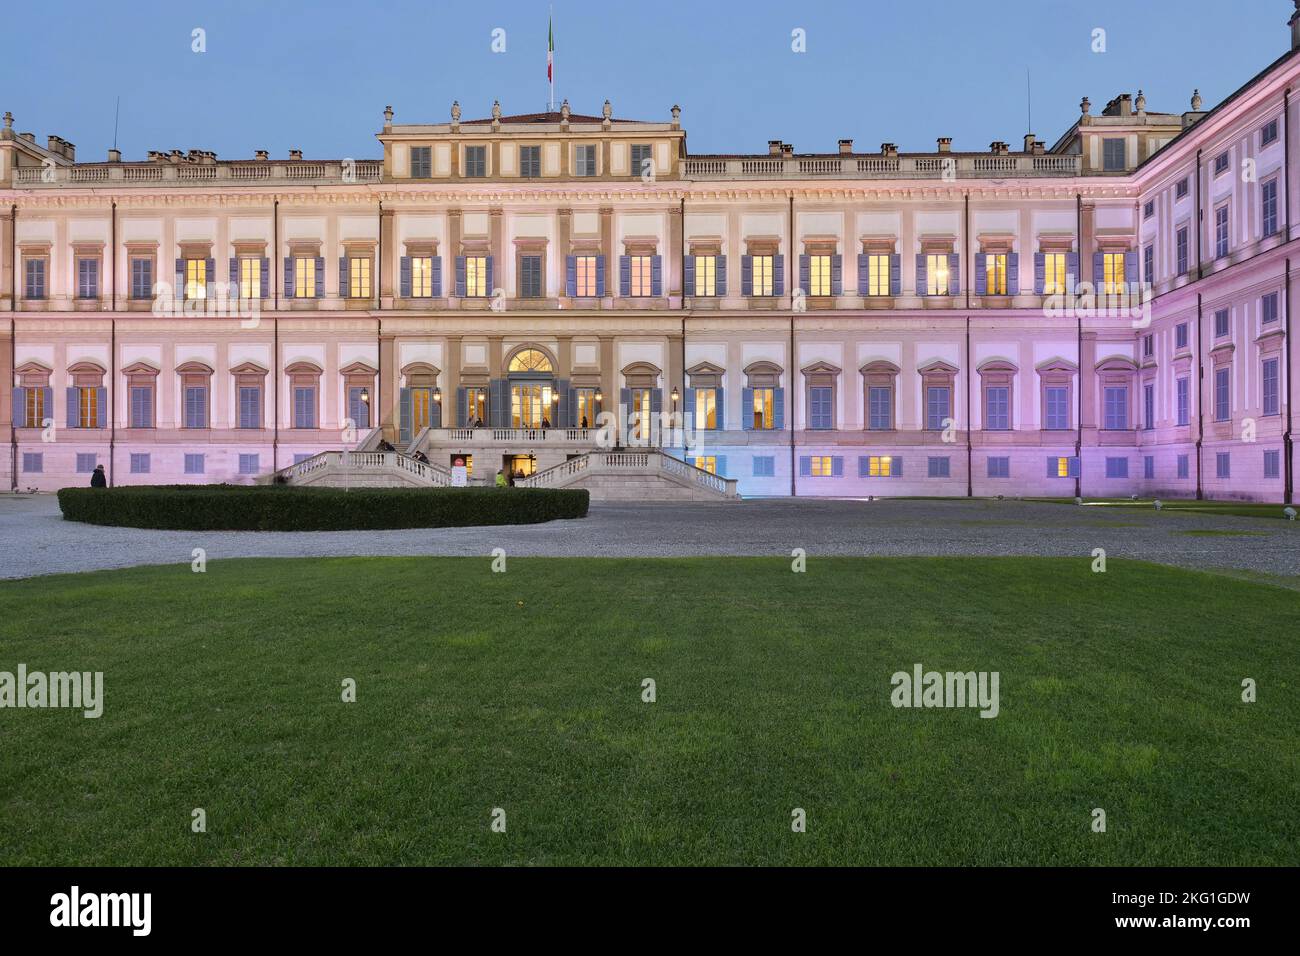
point(1141, 102)
point(677, 116)
point(564, 110)
point(1085, 105)
point(455, 111)
point(496, 110)
point(9, 120)
point(1196, 101)
point(607, 112)
point(388, 117)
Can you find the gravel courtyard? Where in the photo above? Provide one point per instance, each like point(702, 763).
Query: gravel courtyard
point(34, 538)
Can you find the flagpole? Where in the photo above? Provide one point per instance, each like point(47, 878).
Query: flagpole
point(550, 54)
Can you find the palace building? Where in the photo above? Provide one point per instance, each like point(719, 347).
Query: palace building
point(1107, 315)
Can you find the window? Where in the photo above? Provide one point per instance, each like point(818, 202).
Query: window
point(995, 274)
point(1182, 395)
point(1181, 252)
point(764, 466)
point(1222, 395)
point(87, 407)
point(530, 161)
point(249, 464)
point(1183, 466)
point(937, 467)
point(300, 457)
point(1221, 164)
point(642, 275)
point(642, 162)
point(476, 283)
point(33, 462)
point(196, 278)
point(997, 412)
point(822, 466)
point(358, 277)
point(706, 275)
point(530, 277)
point(764, 409)
point(1269, 381)
point(1112, 155)
point(87, 278)
point(421, 162)
point(1116, 407)
point(584, 161)
point(762, 270)
point(819, 275)
point(880, 411)
point(86, 462)
point(304, 406)
point(1181, 188)
point(1148, 263)
point(821, 412)
point(34, 402)
point(1221, 323)
point(1221, 231)
point(1062, 467)
point(1180, 335)
point(1112, 264)
point(140, 398)
point(476, 161)
point(1149, 209)
point(706, 408)
point(1268, 308)
point(878, 466)
point(999, 467)
point(304, 277)
point(139, 464)
point(586, 411)
point(1268, 201)
point(1149, 406)
point(937, 404)
point(194, 464)
point(196, 406)
point(1054, 271)
point(421, 277)
point(878, 275)
point(1268, 133)
point(936, 274)
point(1116, 467)
point(1148, 466)
point(1223, 464)
point(707, 463)
point(1148, 345)
point(250, 406)
point(34, 275)
point(1272, 464)
point(250, 277)
point(586, 272)
point(1057, 413)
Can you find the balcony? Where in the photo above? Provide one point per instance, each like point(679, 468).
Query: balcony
point(251, 172)
point(928, 166)
point(513, 437)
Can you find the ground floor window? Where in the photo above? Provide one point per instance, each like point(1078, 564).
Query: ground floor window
point(764, 466)
point(707, 463)
point(1116, 467)
point(999, 467)
point(938, 467)
point(248, 464)
point(139, 464)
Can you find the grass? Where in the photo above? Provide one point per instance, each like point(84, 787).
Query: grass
point(522, 691)
point(1243, 509)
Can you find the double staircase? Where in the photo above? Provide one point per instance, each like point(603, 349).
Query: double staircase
point(635, 475)
point(362, 469)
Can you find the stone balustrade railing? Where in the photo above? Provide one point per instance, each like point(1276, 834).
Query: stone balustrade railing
point(934, 166)
point(253, 172)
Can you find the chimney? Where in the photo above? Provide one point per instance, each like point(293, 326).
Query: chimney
point(999, 148)
point(70, 151)
point(54, 144)
point(30, 137)
point(114, 155)
point(261, 154)
point(945, 144)
point(787, 150)
point(774, 147)
point(888, 149)
point(1029, 142)
point(1295, 27)
point(846, 147)
point(176, 156)
point(295, 154)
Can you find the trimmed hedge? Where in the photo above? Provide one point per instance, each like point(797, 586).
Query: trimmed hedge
point(286, 508)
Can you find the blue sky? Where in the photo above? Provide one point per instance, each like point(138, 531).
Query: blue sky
point(281, 74)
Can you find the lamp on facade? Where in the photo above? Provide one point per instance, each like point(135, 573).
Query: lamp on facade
point(599, 397)
point(437, 395)
point(365, 396)
point(676, 396)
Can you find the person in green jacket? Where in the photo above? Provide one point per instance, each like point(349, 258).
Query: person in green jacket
point(501, 478)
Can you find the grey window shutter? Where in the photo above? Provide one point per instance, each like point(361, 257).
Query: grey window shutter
point(656, 276)
point(720, 275)
point(73, 395)
point(746, 275)
point(1040, 273)
point(895, 275)
point(211, 270)
point(778, 408)
point(981, 276)
point(234, 277)
point(954, 273)
point(803, 274)
point(499, 403)
point(491, 281)
point(864, 273)
point(290, 274)
point(571, 276)
point(837, 275)
point(1071, 271)
point(1098, 270)
point(404, 412)
point(180, 279)
point(462, 407)
point(1131, 268)
point(435, 269)
point(265, 291)
point(600, 276)
point(1013, 273)
point(719, 395)
point(345, 287)
point(624, 275)
point(460, 277)
point(688, 275)
point(778, 275)
point(747, 408)
point(406, 277)
point(20, 407)
point(688, 407)
point(922, 274)
point(805, 466)
point(320, 277)
point(101, 405)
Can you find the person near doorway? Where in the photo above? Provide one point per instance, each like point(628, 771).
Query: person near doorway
point(384, 445)
point(97, 478)
point(584, 422)
point(546, 422)
point(501, 478)
point(478, 423)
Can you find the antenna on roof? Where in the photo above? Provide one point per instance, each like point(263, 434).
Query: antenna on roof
point(116, 111)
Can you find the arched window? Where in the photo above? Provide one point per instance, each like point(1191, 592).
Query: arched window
point(87, 397)
point(531, 360)
point(33, 398)
point(763, 398)
point(195, 390)
point(141, 394)
point(937, 380)
point(250, 391)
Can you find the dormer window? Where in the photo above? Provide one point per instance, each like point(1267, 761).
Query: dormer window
point(475, 162)
point(642, 159)
point(1221, 164)
point(421, 162)
point(530, 161)
point(1113, 155)
point(584, 161)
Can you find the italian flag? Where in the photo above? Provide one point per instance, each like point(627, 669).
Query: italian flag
point(550, 52)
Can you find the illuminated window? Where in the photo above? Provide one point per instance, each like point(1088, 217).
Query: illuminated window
point(476, 276)
point(196, 278)
point(304, 277)
point(587, 411)
point(821, 466)
point(936, 274)
point(35, 412)
point(706, 280)
point(1113, 273)
point(879, 466)
point(642, 275)
point(585, 273)
point(421, 277)
point(530, 360)
point(762, 267)
point(706, 408)
point(763, 409)
point(706, 463)
point(359, 277)
point(878, 275)
point(250, 278)
point(1054, 273)
point(87, 407)
point(819, 275)
point(1062, 467)
point(995, 274)
point(476, 406)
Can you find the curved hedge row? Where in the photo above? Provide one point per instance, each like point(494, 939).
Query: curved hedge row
point(286, 508)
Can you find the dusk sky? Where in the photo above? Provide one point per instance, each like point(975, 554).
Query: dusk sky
point(316, 76)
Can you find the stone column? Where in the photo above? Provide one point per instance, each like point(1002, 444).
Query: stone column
point(451, 382)
point(673, 271)
point(388, 252)
point(496, 226)
point(565, 229)
point(607, 244)
point(608, 376)
point(388, 386)
point(1088, 382)
point(7, 281)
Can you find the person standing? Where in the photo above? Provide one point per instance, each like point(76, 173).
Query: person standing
point(97, 478)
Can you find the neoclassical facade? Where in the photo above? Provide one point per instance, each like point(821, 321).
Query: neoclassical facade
point(1109, 315)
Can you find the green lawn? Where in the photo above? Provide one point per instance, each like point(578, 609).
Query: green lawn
point(1244, 509)
point(523, 691)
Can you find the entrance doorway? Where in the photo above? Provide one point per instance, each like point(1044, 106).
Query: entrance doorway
point(521, 466)
point(466, 460)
